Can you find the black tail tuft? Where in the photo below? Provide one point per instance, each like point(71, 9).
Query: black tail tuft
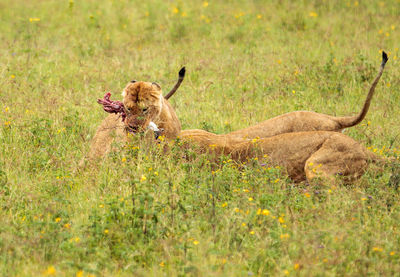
point(182, 72)
point(384, 58)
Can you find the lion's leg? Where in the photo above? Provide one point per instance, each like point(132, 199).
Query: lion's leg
point(338, 156)
point(110, 130)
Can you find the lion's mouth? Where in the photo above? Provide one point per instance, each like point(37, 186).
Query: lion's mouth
point(131, 130)
point(152, 127)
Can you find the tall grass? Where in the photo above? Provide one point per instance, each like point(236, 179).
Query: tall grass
point(141, 212)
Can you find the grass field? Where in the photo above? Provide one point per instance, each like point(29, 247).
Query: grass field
point(141, 213)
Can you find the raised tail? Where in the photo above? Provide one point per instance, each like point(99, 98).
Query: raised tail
point(177, 85)
point(354, 120)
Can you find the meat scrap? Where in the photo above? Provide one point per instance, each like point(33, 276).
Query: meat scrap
point(110, 106)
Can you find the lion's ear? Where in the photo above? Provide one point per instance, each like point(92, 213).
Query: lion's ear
point(156, 85)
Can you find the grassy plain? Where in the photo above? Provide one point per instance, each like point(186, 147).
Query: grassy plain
point(142, 213)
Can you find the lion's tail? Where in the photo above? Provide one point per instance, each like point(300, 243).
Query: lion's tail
point(350, 121)
point(178, 83)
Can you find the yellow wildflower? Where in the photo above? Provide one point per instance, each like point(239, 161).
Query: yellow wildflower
point(377, 249)
point(224, 205)
point(259, 16)
point(285, 236)
point(251, 199)
point(265, 212)
point(175, 10)
point(162, 264)
point(196, 242)
point(239, 15)
point(106, 231)
point(313, 14)
point(223, 261)
point(143, 178)
point(205, 4)
point(50, 271)
point(58, 219)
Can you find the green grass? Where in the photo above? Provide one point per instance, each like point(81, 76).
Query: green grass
point(140, 212)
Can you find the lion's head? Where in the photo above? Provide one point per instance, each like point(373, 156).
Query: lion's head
point(146, 108)
point(143, 102)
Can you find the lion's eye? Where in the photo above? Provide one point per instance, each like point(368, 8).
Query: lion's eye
point(144, 110)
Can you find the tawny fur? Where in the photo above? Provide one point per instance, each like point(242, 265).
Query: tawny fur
point(299, 121)
point(144, 104)
point(304, 155)
point(111, 129)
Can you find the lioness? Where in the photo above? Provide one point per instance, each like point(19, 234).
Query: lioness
point(305, 155)
point(308, 121)
point(145, 107)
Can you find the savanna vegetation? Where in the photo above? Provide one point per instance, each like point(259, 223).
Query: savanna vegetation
point(142, 212)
